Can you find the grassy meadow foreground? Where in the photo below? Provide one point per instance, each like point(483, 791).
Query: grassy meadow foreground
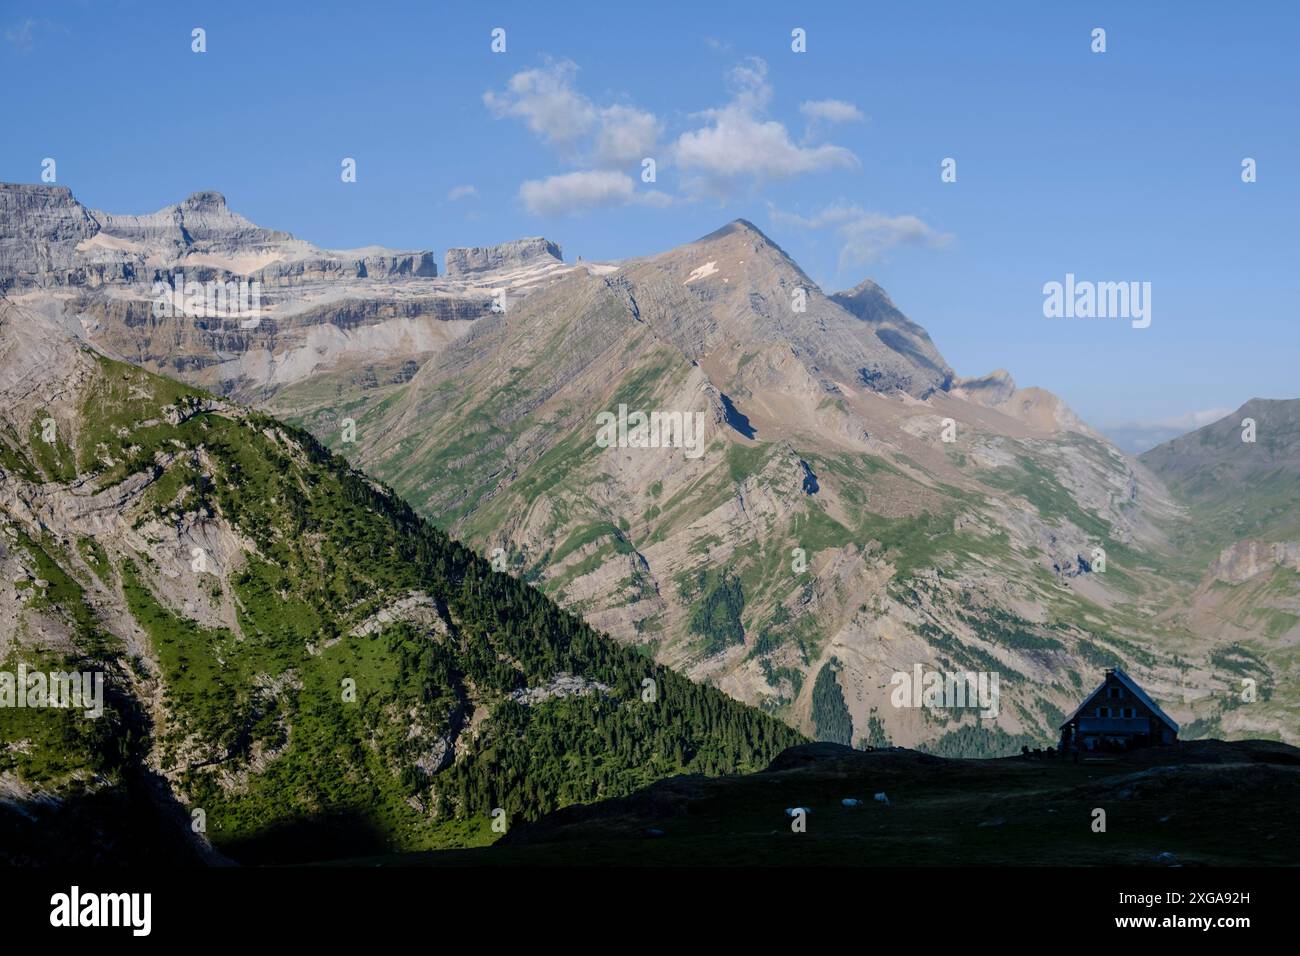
point(1201, 803)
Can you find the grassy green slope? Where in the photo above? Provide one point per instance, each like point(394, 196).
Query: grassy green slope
point(1237, 489)
point(258, 732)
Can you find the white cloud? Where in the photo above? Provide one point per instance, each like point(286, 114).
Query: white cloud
point(548, 102)
point(748, 83)
point(737, 144)
point(462, 192)
point(21, 36)
point(577, 192)
point(831, 111)
point(740, 143)
point(626, 136)
point(583, 191)
point(866, 235)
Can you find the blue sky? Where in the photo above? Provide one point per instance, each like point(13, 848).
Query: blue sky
point(1115, 166)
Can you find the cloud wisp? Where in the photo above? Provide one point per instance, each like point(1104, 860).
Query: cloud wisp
point(831, 111)
point(866, 235)
point(585, 190)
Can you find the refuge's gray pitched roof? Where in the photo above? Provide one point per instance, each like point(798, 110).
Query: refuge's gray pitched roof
point(1135, 690)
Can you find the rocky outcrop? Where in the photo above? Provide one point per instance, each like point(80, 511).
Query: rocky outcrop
point(416, 608)
point(870, 303)
point(343, 266)
point(392, 265)
point(991, 390)
point(1033, 406)
point(561, 685)
point(1245, 559)
point(40, 230)
point(508, 255)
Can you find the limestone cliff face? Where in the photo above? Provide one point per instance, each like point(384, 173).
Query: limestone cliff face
point(323, 268)
point(202, 221)
point(508, 255)
point(362, 314)
point(42, 228)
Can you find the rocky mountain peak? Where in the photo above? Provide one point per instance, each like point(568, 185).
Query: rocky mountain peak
point(743, 234)
point(866, 295)
point(201, 221)
point(992, 389)
point(518, 253)
point(1216, 459)
point(742, 227)
point(736, 288)
point(870, 303)
point(204, 199)
point(738, 254)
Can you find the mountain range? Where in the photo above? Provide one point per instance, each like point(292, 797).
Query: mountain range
point(855, 509)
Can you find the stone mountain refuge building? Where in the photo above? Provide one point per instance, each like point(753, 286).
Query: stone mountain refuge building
point(1118, 715)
